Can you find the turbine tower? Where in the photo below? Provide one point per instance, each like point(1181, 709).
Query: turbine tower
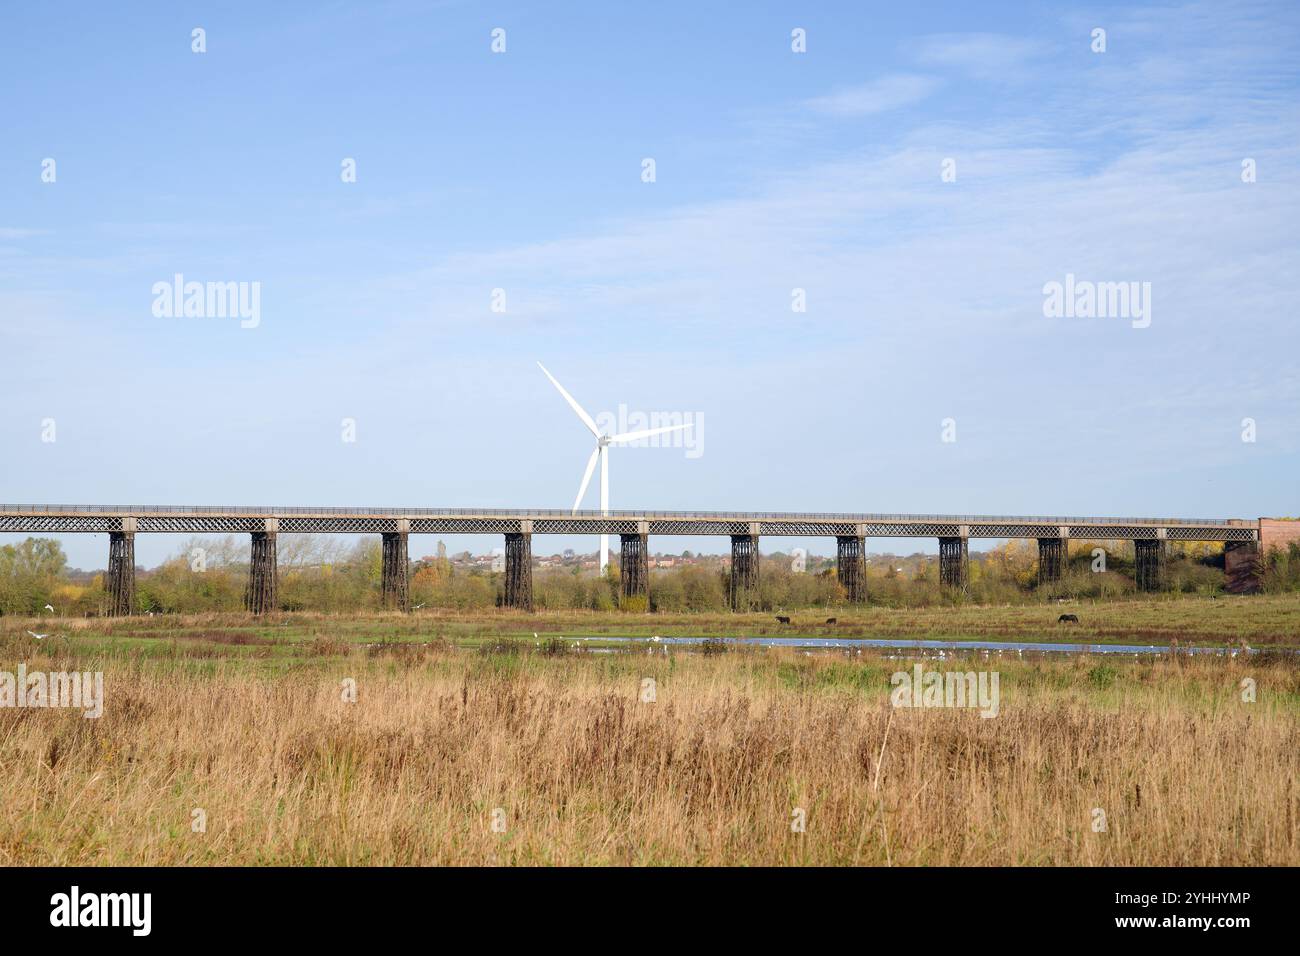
point(602, 452)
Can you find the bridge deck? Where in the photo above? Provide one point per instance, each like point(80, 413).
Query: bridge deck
point(224, 519)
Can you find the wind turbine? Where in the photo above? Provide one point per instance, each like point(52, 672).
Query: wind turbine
point(602, 452)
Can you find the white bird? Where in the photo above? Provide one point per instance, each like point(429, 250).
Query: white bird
point(602, 452)
point(534, 635)
point(39, 637)
point(48, 608)
point(655, 638)
point(418, 606)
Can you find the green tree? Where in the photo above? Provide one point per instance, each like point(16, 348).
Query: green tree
point(29, 572)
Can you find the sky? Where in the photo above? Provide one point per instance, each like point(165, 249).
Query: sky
point(916, 177)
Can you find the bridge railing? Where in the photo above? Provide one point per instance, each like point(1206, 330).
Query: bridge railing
point(272, 511)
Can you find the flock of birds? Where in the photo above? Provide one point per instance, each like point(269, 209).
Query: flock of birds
point(1242, 648)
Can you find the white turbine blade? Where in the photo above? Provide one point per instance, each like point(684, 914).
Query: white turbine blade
point(586, 419)
point(647, 432)
point(586, 477)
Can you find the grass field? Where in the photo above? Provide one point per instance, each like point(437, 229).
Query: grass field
point(1263, 621)
point(244, 726)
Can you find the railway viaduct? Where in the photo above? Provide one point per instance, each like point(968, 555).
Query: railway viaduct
point(1242, 539)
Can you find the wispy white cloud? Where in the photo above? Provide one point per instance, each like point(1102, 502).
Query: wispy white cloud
point(983, 55)
point(879, 96)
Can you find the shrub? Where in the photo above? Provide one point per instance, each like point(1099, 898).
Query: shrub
point(553, 647)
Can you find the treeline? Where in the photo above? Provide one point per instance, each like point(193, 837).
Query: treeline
point(1281, 569)
point(322, 574)
point(32, 575)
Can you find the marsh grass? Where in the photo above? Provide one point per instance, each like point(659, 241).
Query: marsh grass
point(1264, 621)
point(586, 773)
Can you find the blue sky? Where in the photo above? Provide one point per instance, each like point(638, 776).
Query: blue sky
point(775, 170)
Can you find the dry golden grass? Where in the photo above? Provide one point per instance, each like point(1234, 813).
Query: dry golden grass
point(709, 773)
